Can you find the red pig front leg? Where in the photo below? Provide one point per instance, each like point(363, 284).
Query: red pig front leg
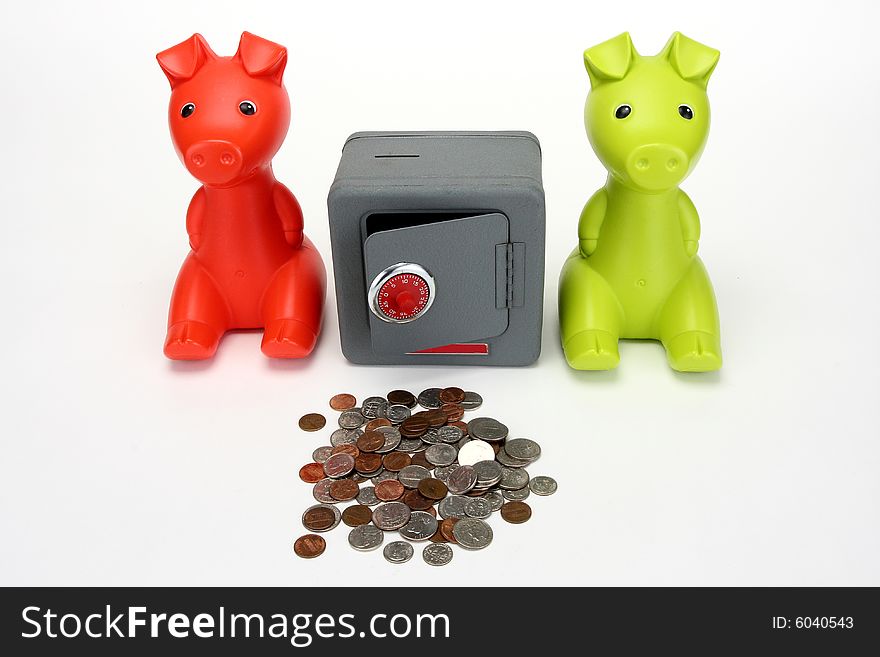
point(290, 213)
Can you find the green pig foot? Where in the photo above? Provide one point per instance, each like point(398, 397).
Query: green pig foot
point(694, 351)
point(592, 350)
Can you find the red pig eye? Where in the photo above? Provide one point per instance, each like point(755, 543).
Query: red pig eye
point(187, 110)
point(247, 108)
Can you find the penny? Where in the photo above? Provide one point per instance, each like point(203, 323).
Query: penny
point(420, 527)
point(436, 418)
point(344, 490)
point(462, 479)
point(357, 514)
point(516, 495)
point(367, 496)
point(344, 437)
point(351, 419)
point(342, 402)
point(441, 454)
point(398, 552)
point(416, 501)
point(472, 533)
point(321, 491)
point(411, 475)
point(543, 485)
point(513, 478)
point(339, 465)
point(430, 398)
point(346, 448)
point(432, 488)
point(438, 537)
point(413, 426)
point(312, 422)
point(461, 425)
point(446, 526)
point(420, 460)
point(370, 441)
point(402, 397)
point(450, 434)
point(471, 401)
point(396, 461)
point(432, 511)
point(309, 546)
point(321, 454)
point(451, 395)
point(516, 512)
point(452, 506)
point(372, 425)
point(453, 412)
point(397, 413)
point(321, 518)
point(474, 452)
point(437, 554)
point(391, 515)
point(311, 473)
point(374, 407)
point(523, 448)
point(389, 490)
point(487, 428)
point(365, 537)
point(478, 508)
point(368, 463)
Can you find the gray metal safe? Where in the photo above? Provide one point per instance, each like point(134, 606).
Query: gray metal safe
point(438, 248)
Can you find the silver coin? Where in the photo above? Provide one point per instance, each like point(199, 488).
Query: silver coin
point(523, 448)
point(322, 454)
point(391, 516)
point(382, 476)
point(339, 465)
point(506, 459)
point(461, 480)
point(477, 507)
point(472, 533)
point(397, 413)
point(543, 485)
point(345, 437)
point(487, 428)
point(410, 445)
point(392, 439)
point(472, 401)
point(321, 491)
point(365, 537)
point(516, 495)
point(437, 554)
point(432, 436)
point(495, 499)
point(452, 506)
point(488, 472)
point(421, 526)
point(442, 473)
point(440, 454)
point(474, 452)
point(430, 398)
point(351, 419)
point(411, 475)
point(374, 407)
point(337, 517)
point(375, 473)
point(367, 496)
point(513, 478)
point(450, 434)
point(398, 552)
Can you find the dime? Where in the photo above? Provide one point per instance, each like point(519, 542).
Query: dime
point(396, 461)
point(516, 495)
point(472, 533)
point(309, 546)
point(416, 501)
point(471, 401)
point(487, 428)
point(339, 465)
point(474, 452)
point(413, 426)
point(411, 445)
point(437, 554)
point(344, 490)
point(311, 473)
point(451, 395)
point(351, 419)
point(322, 454)
point(374, 407)
point(321, 491)
point(441, 454)
point(523, 448)
point(357, 514)
point(513, 478)
point(347, 448)
point(453, 412)
point(516, 512)
point(312, 422)
point(344, 437)
point(370, 441)
point(397, 413)
point(398, 552)
point(543, 485)
point(342, 402)
point(430, 398)
point(372, 425)
point(365, 537)
point(391, 515)
point(477, 507)
point(450, 434)
point(432, 436)
point(495, 499)
point(433, 488)
point(411, 475)
point(462, 479)
point(403, 397)
point(321, 518)
point(446, 526)
point(389, 490)
point(420, 527)
point(367, 496)
point(452, 506)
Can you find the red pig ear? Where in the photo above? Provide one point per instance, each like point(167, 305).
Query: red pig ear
point(182, 61)
point(261, 57)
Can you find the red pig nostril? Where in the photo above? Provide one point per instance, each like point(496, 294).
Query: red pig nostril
point(227, 158)
point(198, 159)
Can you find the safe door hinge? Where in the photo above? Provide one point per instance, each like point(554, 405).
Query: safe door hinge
point(510, 262)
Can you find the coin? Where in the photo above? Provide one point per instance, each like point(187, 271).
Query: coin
point(398, 552)
point(506, 459)
point(351, 419)
point(453, 412)
point(451, 395)
point(370, 441)
point(311, 473)
point(471, 401)
point(338, 465)
point(487, 428)
point(391, 515)
point(372, 425)
point(446, 526)
point(452, 506)
point(513, 478)
point(420, 527)
point(450, 434)
point(420, 460)
point(346, 448)
point(410, 445)
point(365, 537)
point(430, 398)
point(472, 533)
point(392, 439)
point(367, 496)
point(441, 454)
point(488, 473)
point(437, 537)
point(389, 490)
point(461, 425)
point(342, 402)
point(433, 488)
point(516, 512)
point(344, 490)
point(403, 397)
point(432, 436)
point(321, 454)
point(309, 546)
point(344, 437)
point(368, 464)
point(384, 475)
point(321, 491)
point(442, 473)
point(462, 479)
point(523, 448)
point(516, 495)
point(321, 518)
point(477, 507)
point(374, 407)
point(357, 514)
point(312, 422)
point(411, 475)
point(474, 452)
point(397, 413)
point(396, 461)
point(416, 501)
point(413, 426)
point(437, 554)
point(436, 418)
point(495, 499)
point(543, 485)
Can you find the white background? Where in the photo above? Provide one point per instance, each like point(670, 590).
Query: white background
point(120, 467)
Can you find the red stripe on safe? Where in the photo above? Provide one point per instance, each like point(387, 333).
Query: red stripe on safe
point(460, 349)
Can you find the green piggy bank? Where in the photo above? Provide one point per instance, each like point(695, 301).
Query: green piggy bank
point(635, 273)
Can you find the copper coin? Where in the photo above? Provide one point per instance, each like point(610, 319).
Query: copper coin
point(311, 473)
point(453, 412)
point(414, 426)
point(436, 418)
point(342, 402)
point(320, 518)
point(372, 425)
point(432, 510)
point(438, 537)
point(389, 490)
point(404, 397)
point(396, 461)
point(346, 448)
point(370, 441)
point(516, 512)
point(416, 501)
point(452, 395)
point(309, 546)
point(344, 490)
point(461, 425)
point(368, 463)
point(496, 447)
point(419, 459)
point(357, 478)
point(312, 422)
point(446, 526)
point(357, 514)
point(433, 489)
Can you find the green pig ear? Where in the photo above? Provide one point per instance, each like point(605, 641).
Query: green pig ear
point(610, 60)
point(692, 60)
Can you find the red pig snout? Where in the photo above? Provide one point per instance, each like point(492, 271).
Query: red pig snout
point(214, 162)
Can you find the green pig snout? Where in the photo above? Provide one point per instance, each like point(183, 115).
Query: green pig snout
point(656, 167)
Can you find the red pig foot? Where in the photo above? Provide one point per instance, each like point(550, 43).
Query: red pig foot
point(288, 338)
point(190, 340)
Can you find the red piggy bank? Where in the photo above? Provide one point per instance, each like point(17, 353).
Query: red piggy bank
point(250, 265)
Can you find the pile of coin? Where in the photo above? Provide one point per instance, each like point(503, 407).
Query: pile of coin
point(426, 474)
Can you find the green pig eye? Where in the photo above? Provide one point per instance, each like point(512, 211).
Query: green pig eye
point(623, 111)
point(686, 112)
